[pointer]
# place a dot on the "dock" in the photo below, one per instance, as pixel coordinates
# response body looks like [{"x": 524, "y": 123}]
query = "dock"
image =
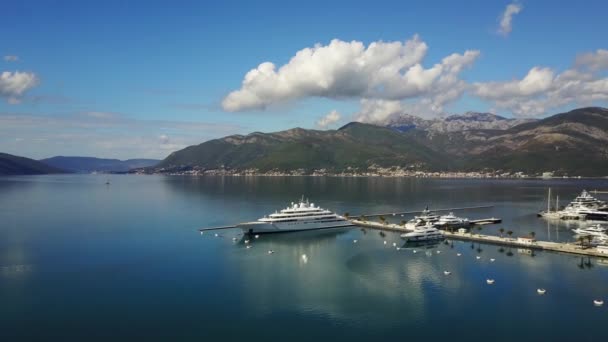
[{"x": 528, "y": 243}]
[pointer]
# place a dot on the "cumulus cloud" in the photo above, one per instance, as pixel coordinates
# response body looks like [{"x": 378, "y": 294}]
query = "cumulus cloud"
[
  {"x": 15, "y": 84},
  {"x": 505, "y": 25},
  {"x": 542, "y": 89},
  {"x": 329, "y": 119},
  {"x": 382, "y": 70},
  {"x": 11, "y": 58},
  {"x": 597, "y": 60}
]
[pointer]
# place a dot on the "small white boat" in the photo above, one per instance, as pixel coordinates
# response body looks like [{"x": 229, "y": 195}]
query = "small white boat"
[
  {"x": 270, "y": 251},
  {"x": 478, "y": 257},
  {"x": 354, "y": 241},
  {"x": 490, "y": 281},
  {"x": 394, "y": 244},
  {"x": 438, "y": 252},
  {"x": 458, "y": 254},
  {"x": 246, "y": 241},
  {"x": 541, "y": 291},
  {"x": 398, "y": 248},
  {"x": 217, "y": 235},
  {"x": 248, "y": 246},
  {"x": 598, "y": 302},
  {"x": 257, "y": 236},
  {"x": 492, "y": 260},
  {"x": 415, "y": 251},
  {"x": 447, "y": 272},
  {"x": 304, "y": 258}
]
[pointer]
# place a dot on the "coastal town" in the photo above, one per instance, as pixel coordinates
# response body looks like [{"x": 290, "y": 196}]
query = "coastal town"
[{"x": 372, "y": 171}]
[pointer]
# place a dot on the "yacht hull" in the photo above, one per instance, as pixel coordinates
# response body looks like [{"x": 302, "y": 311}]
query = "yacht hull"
[{"x": 277, "y": 227}]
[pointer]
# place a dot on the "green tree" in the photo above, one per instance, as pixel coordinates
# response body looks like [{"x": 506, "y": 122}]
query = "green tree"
[
  {"x": 533, "y": 234},
  {"x": 502, "y": 231},
  {"x": 510, "y": 232}
]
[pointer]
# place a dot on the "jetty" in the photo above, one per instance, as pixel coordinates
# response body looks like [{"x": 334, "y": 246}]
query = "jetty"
[{"x": 520, "y": 242}]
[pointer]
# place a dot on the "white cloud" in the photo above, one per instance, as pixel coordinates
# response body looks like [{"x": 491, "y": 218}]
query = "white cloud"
[
  {"x": 382, "y": 70},
  {"x": 164, "y": 139},
  {"x": 597, "y": 60},
  {"x": 329, "y": 119},
  {"x": 505, "y": 25},
  {"x": 542, "y": 90},
  {"x": 377, "y": 110},
  {"x": 15, "y": 84},
  {"x": 11, "y": 58}
]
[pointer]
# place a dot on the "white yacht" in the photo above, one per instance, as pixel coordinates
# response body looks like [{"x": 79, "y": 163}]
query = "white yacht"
[
  {"x": 424, "y": 233},
  {"x": 583, "y": 207},
  {"x": 450, "y": 220},
  {"x": 586, "y": 201},
  {"x": 595, "y": 230},
  {"x": 297, "y": 217},
  {"x": 420, "y": 221}
]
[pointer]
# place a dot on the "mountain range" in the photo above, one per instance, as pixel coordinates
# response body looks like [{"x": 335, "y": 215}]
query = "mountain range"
[
  {"x": 15, "y": 165},
  {"x": 573, "y": 143}
]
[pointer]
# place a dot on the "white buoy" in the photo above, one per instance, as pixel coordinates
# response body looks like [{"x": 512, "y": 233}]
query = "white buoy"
[
  {"x": 270, "y": 251},
  {"x": 447, "y": 272},
  {"x": 458, "y": 254},
  {"x": 492, "y": 260},
  {"x": 257, "y": 236},
  {"x": 598, "y": 302},
  {"x": 490, "y": 281},
  {"x": 355, "y": 241},
  {"x": 478, "y": 257},
  {"x": 541, "y": 291}
]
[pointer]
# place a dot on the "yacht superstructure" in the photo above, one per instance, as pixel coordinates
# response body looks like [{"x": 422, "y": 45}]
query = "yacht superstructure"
[
  {"x": 451, "y": 221},
  {"x": 426, "y": 216},
  {"x": 297, "y": 217}
]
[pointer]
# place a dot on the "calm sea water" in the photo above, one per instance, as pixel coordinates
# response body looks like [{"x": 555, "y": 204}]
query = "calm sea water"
[{"x": 80, "y": 260}]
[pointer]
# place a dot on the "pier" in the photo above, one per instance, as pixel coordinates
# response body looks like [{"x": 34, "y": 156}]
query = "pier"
[{"x": 529, "y": 243}]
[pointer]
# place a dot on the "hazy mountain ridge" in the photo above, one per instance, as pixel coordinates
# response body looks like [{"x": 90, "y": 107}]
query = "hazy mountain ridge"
[
  {"x": 453, "y": 123},
  {"x": 92, "y": 164},
  {"x": 15, "y": 165}
]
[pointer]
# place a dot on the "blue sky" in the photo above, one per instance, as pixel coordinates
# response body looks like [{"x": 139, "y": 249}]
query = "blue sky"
[{"x": 133, "y": 79}]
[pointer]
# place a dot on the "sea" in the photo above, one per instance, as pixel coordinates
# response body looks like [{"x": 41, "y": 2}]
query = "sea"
[{"x": 82, "y": 260}]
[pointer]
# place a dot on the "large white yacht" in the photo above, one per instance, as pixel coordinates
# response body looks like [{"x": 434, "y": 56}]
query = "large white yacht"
[
  {"x": 424, "y": 233},
  {"x": 583, "y": 207},
  {"x": 586, "y": 201},
  {"x": 297, "y": 217},
  {"x": 451, "y": 221},
  {"x": 426, "y": 216}
]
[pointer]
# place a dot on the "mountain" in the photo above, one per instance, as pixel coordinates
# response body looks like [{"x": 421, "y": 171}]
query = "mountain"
[
  {"x": 355, "y": 145},
  {"x": 15, "y": 165},
  {"x": 90, "y": 164},
  {"x": 453, "y": 123},
  {"x": 572, "y": 143}
]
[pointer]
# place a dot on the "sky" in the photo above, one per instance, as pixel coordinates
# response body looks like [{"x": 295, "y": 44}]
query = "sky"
[{"x": 141, "y": 79}]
